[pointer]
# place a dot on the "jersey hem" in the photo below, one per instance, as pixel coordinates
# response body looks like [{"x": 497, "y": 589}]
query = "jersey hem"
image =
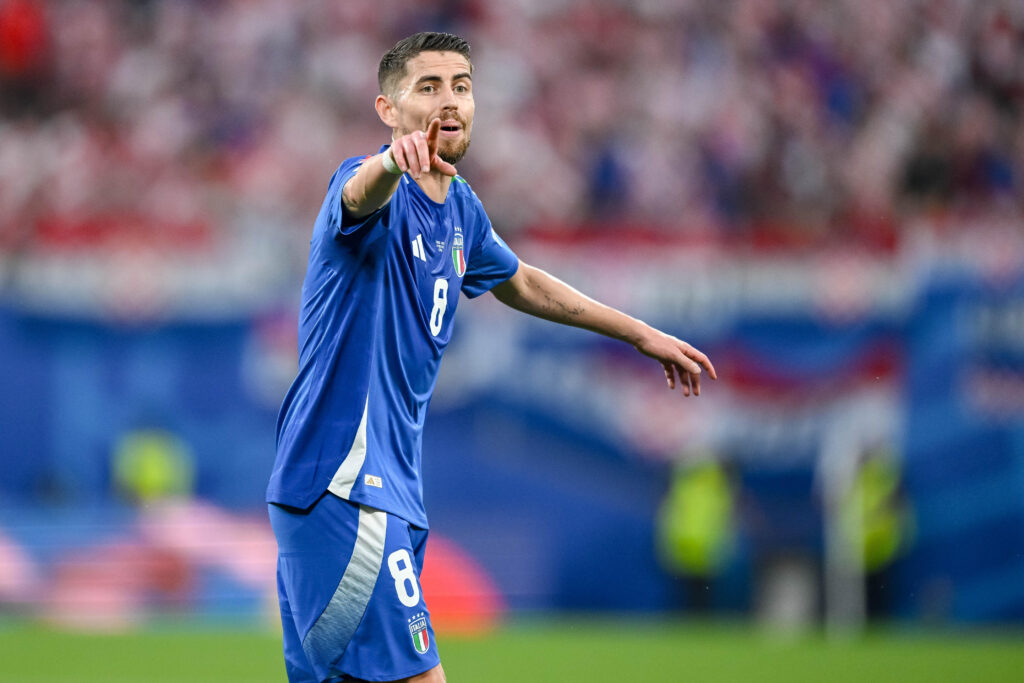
[{"x": 303, "y": 503}]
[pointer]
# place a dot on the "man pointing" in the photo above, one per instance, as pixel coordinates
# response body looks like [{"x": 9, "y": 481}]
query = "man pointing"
[{"x": 399, "y": 237}]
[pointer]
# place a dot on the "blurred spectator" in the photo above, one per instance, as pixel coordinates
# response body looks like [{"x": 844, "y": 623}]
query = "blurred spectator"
[
  {"x": 184, "y": 125},
  {"x": 24, "y": 56}
]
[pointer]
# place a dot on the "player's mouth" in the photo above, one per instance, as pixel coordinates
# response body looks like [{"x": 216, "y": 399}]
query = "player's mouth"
[{"x": 450, "y": 129}]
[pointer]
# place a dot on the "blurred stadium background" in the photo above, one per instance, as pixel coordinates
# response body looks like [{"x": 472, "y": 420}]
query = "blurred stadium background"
[{"x": 827, "y": 197}]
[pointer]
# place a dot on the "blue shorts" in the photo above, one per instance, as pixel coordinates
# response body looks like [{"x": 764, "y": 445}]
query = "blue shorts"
[{"x": 348, "y": 584}]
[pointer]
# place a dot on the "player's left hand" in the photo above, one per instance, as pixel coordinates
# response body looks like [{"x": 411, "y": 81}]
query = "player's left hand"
[{"x": 677, "y": 358}]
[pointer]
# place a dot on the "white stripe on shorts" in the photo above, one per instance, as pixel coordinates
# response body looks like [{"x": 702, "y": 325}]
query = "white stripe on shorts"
[{"x": 334, "y": 628}]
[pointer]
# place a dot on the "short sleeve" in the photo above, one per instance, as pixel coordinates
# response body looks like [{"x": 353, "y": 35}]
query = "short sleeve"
[
  {"x": 491, "y": 262},
  {"x": 334, "y": 210}
]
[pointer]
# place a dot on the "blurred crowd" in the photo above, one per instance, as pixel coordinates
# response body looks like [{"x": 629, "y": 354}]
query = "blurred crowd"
[{"x": 186, "y": 123}]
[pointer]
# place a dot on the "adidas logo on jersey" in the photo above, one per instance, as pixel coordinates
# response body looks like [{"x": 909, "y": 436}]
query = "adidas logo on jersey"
[
  {"x": 417, "y": 248},
  {"x": 371, "y": 480}
]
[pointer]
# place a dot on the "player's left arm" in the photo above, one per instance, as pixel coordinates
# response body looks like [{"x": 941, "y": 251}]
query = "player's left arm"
[{"x": 538, "y": 293}]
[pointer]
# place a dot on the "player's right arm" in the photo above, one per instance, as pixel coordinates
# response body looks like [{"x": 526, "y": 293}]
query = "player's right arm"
[{"x": 372, "y": 185}]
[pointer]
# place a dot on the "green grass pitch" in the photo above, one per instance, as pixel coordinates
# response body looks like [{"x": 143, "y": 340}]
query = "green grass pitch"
[{"x": 556, "y": 650}]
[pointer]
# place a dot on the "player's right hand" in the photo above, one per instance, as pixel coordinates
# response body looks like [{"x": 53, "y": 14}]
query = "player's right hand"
[{"x": 416, "y": 153}]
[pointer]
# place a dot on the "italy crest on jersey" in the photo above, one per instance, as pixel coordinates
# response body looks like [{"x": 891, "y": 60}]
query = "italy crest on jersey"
[
  {"x": 458, "y": 255},
  {"x": 420, "y": 637}
]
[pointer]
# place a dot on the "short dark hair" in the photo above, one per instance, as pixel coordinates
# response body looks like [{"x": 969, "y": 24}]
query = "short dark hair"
[{"x": 392, "y": 64}]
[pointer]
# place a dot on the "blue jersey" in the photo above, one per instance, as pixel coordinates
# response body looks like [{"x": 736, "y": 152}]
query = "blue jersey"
[{"x": 377, "y": 308}]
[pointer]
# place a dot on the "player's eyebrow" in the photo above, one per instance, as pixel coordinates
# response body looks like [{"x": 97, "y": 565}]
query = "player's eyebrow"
[{"x": 438, "y": 79}]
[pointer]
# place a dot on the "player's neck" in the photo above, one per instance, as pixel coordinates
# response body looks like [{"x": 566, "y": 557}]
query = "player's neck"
[{"x": 435, "y": 185}]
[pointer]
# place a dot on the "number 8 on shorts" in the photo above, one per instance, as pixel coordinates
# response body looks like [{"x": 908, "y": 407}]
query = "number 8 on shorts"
[{"x": 402, "y": 572}]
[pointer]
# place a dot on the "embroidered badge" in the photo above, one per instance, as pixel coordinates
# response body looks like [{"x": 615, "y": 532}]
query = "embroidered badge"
[
  {"x": 458, "y": 256},
  {"x": 418, "y": 630}
]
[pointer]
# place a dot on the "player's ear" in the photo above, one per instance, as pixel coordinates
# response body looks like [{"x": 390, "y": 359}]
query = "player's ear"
[{"x": 386, "y": 111}]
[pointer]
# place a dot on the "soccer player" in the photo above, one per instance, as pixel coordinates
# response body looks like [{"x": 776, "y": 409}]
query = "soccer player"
[{"x": 399, "y": 236}]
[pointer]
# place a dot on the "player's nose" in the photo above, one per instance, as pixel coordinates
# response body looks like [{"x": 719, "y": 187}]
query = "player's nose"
[{"x": 448, "y": 100}]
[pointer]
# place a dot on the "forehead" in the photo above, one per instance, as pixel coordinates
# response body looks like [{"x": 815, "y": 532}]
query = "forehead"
[{"x": 431, "y": 63}]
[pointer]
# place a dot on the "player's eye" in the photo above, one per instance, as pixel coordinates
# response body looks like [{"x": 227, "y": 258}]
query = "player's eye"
[
  {"x": 462, "y": 89},
  {"x": 427, "y": 89}
]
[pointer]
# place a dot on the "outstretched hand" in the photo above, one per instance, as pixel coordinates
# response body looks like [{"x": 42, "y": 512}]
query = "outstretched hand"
[
  {"x": 416, "y": 152},
  {"x": 534, "y": 291},
  {"x": 677, "y": 358}
]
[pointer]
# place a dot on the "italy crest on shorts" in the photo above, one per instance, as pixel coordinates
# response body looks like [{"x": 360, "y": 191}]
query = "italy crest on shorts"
[
  {"x": 458, "y": 255},
  {"x": 418, "y": 631}
]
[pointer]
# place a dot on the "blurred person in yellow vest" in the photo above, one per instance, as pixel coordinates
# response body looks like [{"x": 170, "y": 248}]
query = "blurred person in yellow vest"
[
  {"x": 696, "y": 527},
  {"x": 151, "y": 465},
  {"x": 875, "y": 523}
]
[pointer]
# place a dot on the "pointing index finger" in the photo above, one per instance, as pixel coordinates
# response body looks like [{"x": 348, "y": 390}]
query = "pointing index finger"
[{"x": 433, "y": 130}]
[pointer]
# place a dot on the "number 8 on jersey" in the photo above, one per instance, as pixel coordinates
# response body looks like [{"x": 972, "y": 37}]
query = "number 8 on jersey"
[{"x": 440, "y": 304}]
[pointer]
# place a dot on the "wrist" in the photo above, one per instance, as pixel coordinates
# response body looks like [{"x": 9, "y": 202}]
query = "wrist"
[
  {"x": 635, "y": 331},
  {"x": 387, "y": 160}
]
